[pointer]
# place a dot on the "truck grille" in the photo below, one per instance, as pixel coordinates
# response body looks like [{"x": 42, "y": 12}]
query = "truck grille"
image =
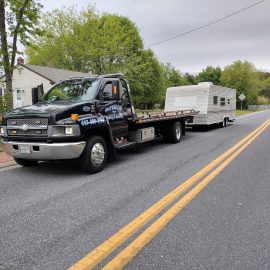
[
  {"x": 29, "y": 122},
  {"x": 28, "y": 127}
]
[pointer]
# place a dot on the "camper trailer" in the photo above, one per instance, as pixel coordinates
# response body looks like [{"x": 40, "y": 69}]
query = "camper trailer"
[{"x": 216, "y": 104}]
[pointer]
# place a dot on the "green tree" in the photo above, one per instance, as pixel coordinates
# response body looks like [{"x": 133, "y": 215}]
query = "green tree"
[
  {"x": 191, "y": 79},
  {"x": 173, "y": 76},
  {"x": 85, "y": 41},
  {"x": 147, "y": 80},
  {"x": 210, "y": 74},
  {"x": 243, "y": 77},
  {"x": 265, "y": 86},
  {"x": 18, "y": 19},
  {"x": 262, "y": 100},
  {"x": 90, "y": 42}
]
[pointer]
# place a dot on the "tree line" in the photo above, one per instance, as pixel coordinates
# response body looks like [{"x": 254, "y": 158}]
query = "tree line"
[{"x": 87, "y": 41}]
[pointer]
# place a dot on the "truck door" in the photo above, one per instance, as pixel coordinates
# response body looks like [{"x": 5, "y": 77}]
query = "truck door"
[{"x": 114, "y": 108}]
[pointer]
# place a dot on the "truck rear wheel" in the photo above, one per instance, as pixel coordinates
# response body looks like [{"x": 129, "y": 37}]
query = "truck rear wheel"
[
  {"x": 26, "y": 162},
  {"x": 94, "y": 156},
  {"x": 174, "y": 133}
]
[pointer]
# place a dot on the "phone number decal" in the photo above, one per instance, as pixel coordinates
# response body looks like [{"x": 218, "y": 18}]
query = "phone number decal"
[{"x": 92, "y": 122}]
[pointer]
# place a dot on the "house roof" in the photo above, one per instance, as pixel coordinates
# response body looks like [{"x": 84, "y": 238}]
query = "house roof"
[{"x": 54, "y": 74}]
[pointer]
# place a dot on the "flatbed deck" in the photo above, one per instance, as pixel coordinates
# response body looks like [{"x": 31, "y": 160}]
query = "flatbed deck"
[{"x": 160, "y": 116}]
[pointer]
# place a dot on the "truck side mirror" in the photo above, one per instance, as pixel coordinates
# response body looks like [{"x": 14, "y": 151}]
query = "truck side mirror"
[
  {"x": 37, "y": 93},
  {"x": 34, "y": 95},
  {"x": 115, "y": 90},
  {"x": 40, "y": 91}
]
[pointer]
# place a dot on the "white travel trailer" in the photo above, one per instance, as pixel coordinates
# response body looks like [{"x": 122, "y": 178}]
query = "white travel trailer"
[{"x": 216, "y": 104}]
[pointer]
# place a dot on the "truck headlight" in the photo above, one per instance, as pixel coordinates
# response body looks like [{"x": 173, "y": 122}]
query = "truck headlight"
[
  {"x": 69, "y": 130},
  {"x": 1, "y": 131}
]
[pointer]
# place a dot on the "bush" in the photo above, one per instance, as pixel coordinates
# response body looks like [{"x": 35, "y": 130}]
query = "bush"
[
  {"x": 3, "y": 105},
  {"x": 263, "y": 100}
]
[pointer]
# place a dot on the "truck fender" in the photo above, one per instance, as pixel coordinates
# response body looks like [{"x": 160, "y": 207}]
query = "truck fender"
[{"x": 105, "y": 132}]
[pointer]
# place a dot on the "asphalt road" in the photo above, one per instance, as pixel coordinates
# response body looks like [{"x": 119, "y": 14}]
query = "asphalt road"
[{"x": 54, "y": 214}]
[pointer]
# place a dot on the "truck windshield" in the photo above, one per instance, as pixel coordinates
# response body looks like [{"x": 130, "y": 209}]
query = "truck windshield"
[{"x": 81, "y": 89}]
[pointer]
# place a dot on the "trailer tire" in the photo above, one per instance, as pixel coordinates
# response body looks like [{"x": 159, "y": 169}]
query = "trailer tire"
[
  {"x": 26, "y": 162},
  {"x": 94, "y": 156},
  {"x": 224, "y": 123},
  {"x": 174, "y": 133}
]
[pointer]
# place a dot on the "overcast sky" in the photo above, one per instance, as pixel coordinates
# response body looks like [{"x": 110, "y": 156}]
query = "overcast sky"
[{"x": 245, "y": 36}]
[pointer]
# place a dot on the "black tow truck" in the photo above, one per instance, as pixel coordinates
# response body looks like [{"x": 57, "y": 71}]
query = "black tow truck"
[{"x": 84, "y": 118}]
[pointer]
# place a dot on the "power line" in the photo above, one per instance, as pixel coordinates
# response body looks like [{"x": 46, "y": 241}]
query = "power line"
[{"x": 208, "y": 24}]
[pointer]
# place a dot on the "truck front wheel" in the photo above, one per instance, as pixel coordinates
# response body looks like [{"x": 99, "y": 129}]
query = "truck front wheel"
[
  {"x": 26, "y": 162},
  {"x": 94, "y": 156}
]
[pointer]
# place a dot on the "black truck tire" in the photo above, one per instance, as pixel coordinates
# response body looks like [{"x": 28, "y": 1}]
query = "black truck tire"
[
  {"x": 94, "y": 156},
  {"x": 174, "y": 133},
  {"x": 26, "y": 162}
]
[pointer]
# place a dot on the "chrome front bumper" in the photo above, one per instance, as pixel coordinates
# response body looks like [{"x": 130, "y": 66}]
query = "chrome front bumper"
[{"x": 45, "y": 151}]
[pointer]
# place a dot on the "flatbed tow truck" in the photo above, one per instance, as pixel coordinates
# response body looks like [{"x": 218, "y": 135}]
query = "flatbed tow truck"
[{"x": 85, "y": 118}]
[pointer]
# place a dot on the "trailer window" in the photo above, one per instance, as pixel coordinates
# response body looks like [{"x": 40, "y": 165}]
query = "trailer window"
[
  {"x": 215, "y": 100},
  {"x": 222, "y": 101}
]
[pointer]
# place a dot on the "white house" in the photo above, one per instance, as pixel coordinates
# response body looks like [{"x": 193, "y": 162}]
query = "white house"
[{"x": 27, "y": 76}]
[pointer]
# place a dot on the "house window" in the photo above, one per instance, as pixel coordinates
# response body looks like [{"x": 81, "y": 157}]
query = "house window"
[
  {"x": 222, "y": 101},
  {"x": 19, "y": 95},
  {"x": 229, "y": 101},
  {"x": 20, "y": 69},
  {"x": 215, "y": 100}
]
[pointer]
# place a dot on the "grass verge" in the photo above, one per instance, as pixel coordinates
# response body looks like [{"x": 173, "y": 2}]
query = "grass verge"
[{"x": 242, "y": 112}]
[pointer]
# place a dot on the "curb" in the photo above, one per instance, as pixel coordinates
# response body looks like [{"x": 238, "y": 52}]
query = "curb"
[{"x": 7, "y": 164}]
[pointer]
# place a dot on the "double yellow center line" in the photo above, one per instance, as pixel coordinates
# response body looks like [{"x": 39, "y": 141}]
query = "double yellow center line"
[{"x": 101, "y": 252}]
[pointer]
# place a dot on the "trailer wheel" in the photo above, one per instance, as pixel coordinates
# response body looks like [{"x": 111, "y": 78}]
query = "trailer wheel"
[
  {"x": 26, "y": 162},
  {"x": 224, "y": 123},
  {"x": 94, "y": 156},
  {"x": 174, "y": 133}
]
